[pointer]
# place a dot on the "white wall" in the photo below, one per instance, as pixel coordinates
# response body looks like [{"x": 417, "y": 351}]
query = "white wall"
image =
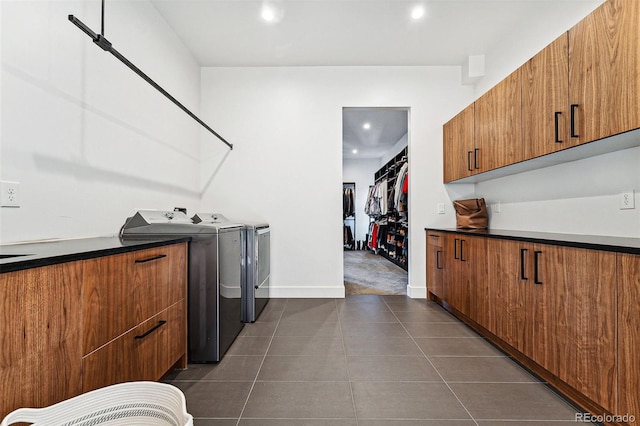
[
  {"x": 88, "y": 140},
  {"x": 286, "y": 166},
  {"x": 580, "y": 197},
  {"x": 395, "y": 149}
]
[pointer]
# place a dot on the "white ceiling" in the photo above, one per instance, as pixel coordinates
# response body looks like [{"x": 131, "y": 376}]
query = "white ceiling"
[
  {"x": 387, "y": 126},
  {"x": 354, "y": 33}
]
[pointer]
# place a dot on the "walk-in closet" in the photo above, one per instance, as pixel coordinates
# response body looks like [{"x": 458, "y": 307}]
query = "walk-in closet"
[{"x": 375, "y": 195}]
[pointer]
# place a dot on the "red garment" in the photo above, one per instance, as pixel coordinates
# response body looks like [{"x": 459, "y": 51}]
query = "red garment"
[
  {"x": 374, "y": 236},
  {"x": 405, "y": 184}
]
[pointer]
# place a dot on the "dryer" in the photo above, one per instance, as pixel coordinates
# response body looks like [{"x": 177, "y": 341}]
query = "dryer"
[{"x": 257, "y": 263}]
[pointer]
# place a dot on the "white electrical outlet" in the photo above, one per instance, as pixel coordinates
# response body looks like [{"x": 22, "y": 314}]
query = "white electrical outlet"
[
  {"x": 9, "y": 194},
  {"x": 627, "y": 201},
  {"x": 440, "y": 208},
  {"x": 496, "y": 207}
]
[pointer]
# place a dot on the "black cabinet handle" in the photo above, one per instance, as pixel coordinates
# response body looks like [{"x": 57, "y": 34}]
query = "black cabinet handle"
[
  {"x": 455, "y": 248},
  {"x": 438, "y": 265},
  {"x": 152, "y": 329},
  {"x": 469, "y": 161},
  {"x": 557, "y": 121},
  {"x": 475, "y": 158},
  {"x": 523, "y": 276},
  {"x": 462, "y": 259},
  {"x": 151, "y": 259},
  {"x": 573, "y": 121},
  {"x": 536, "y": 267}
]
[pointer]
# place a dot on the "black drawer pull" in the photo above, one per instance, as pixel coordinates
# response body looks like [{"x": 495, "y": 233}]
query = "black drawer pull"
[
  {"x": 151, "y": 259},
  {"x": 455, "y": 248},
  {"x": 438, "y": 265},
  {"x": 462, "y": 259},
  {"x": 469, "y": 161},
  {"x": 557, "y": 120},
  {"x": 475, "y": 158},
  {"x": 523, "y": 252},
  {"x": 536, "y": 267},
  {"x": 152, "y": 329},
  {"x": 573, "y": 121}
]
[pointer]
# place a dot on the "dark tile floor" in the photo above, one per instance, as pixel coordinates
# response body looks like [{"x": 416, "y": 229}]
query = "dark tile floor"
[{"x": 365, "y": 361}]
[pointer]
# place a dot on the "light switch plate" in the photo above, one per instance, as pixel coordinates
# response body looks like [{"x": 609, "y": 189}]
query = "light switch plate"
[{"x": 440, "y": 208}]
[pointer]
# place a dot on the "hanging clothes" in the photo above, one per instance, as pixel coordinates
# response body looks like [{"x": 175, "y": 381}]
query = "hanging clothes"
[{"x": 347, "y": 203}]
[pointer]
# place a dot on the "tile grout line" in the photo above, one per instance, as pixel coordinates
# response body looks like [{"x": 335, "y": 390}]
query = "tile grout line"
[
  {"x": 264, "y": 357},
  {"x": 431, "y": 363},
  {"x": 346, "y": 362}
]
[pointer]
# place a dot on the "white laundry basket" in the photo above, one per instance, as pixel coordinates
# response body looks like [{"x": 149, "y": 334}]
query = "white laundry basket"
[{"x": 131, "y": 403}]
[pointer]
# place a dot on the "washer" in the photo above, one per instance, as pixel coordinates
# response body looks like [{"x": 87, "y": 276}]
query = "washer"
[
  {"x": 216, "y": 255},
  {"x": 257, "y": 264}
]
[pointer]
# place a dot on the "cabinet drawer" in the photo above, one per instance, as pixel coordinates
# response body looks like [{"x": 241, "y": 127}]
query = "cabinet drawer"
[
  {"x": 145, "y": 352},
  {"x": 124, "y": 290}
]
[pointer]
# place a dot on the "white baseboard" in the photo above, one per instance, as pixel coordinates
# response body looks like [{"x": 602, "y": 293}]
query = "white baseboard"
[
  {"x": 417, "y": 292},
  {"x": 307, "y": 292}
]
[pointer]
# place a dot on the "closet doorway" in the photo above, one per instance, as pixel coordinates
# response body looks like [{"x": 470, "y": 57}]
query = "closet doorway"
[{"x": 375, "y": 176}]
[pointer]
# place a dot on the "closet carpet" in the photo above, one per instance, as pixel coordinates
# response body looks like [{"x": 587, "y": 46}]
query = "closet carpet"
[{"x": 368, "y": 273}]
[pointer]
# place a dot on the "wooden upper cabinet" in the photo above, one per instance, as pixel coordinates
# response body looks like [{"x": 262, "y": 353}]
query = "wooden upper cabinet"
[
  {"x": 498, "y": 125},
  {"x": 459, "y": 145},
  {"x": 545, "y": 100},
  {"x": 604, "y": 71},
  {"x": 629, "y": 333}
]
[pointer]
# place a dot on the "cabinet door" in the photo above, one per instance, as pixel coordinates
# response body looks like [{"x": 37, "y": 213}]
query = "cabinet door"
[
  {"x": 545, "y": 100},
  {"x": 498, "y": 124},
  {"x": 459, "y": 146},
  {"x": 435, "y": 264},
  {"x": 474, "y": 252},
  {"x": 604, "y": 71},
  {"x": 464, "y": 277},
  {"x": 575, "y": 319},
  {"x": 457, "y": 280},
  {"x": 629, "y": 333},
  {"x": 40, "y": 336},
  {"x": 511, "y": 293}
]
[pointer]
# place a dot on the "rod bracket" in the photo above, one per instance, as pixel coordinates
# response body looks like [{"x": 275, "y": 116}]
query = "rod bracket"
[{"x": 104, "y": 44}]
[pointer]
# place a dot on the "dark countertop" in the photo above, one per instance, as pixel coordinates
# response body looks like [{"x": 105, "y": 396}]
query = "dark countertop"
[
  {"x": 59, "y": 251},
  {"x": 593, "y": 242}
]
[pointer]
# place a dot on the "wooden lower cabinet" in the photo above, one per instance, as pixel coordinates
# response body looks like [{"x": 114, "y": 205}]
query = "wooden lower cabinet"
[
  {"x": 575, "y": 319},
  {"x": 146, "y": 352},
  {"x": 629, "y": 334},
  {"x": 556, "y": 309},
  {"x": 69, "y": 328},
  {"x": 435, "y": 265},
  {"x": 465, "y": 275},
  {"x": 40, "y": 336}
]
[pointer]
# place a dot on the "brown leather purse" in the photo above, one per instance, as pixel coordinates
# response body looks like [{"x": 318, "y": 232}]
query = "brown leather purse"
[{"x": 471, "y": 214}]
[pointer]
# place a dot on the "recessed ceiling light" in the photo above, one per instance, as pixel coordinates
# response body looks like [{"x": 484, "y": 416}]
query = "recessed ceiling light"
[
  {"x": 355, "y": 151},
  {"x": 268, "y": 14},
  {"x": 417, "y": 12},
  {"x": 366, "y": 126},
  {"x": 272, "y": 11}
]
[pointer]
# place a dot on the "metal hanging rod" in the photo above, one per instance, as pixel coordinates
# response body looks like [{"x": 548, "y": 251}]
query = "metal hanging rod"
[{"x": 105, "y": 45}]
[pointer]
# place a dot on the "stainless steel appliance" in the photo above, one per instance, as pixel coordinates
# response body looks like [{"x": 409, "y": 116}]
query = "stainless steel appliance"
[
  {"x": 215, "y": 277},
  {"x": 257, "y": 264}
]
